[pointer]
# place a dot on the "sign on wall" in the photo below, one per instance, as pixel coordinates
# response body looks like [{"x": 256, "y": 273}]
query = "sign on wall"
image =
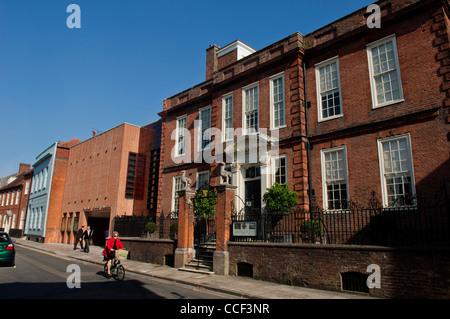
[{"x": 244, "y": 228}]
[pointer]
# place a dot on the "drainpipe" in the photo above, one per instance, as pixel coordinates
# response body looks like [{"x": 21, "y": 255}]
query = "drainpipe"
[{"x": 308, "y": 155}]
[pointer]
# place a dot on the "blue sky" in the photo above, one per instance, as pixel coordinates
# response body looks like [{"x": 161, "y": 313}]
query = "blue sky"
[{"x": 58, "y": 83}]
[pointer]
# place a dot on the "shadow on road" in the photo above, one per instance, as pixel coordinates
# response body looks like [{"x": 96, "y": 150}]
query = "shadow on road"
[{"x": 111, "y": 289}]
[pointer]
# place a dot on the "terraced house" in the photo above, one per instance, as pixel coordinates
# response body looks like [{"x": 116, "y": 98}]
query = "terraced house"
[
  {"x": 14, "y": 194},
  {"x": 346, "y": 115}
]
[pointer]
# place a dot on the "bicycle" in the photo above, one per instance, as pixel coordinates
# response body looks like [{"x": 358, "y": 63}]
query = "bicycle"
[{"x": 117, "y": 269}]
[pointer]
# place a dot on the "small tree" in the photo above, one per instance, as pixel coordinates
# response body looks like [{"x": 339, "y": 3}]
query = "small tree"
[
  {"x": 150, "y": 227},
  {"x": 204, "y": 202},
  {"x": 279, "y": 199}
]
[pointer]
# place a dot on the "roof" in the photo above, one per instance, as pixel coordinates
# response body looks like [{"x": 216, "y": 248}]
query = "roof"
[{"x": 18, "y": 181}]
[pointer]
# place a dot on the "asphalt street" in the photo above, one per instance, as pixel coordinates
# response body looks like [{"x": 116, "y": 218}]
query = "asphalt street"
[{"x": 41, "y": 275}]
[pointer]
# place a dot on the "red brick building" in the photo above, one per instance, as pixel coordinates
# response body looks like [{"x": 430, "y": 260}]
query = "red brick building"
[
  {"x": 14, "y": 201},
  {"x": 239, "y": 93},
  {"x": 366, "y": 106},
  {"x": 342, "y": 113},
  {"x": 378, "y": 116},
  {"x": 108, "y": 176}
]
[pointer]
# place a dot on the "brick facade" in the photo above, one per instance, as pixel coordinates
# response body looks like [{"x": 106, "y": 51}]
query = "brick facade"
[
  {"x": 421, "y": 37},
  {"x": 379, "y": 115},
  {"x": 96, "y": 182},
  {"x": 14, "y": 201},
  {"x": 283, "y": 57}
]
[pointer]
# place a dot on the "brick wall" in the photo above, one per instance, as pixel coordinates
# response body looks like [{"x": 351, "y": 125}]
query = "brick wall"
[
  {"x": 96, "y": 175},
  {"x": 155, "y": 251},
  {"x": 53, "y": 227},
  {"x": 422, "y": 42},
  {"x": 405, "y": 273}
]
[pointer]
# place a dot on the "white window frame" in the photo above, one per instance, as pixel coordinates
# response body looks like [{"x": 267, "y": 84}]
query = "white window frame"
[
  {"x": 36, "y": 187},
  {"x": 380, "y": 142},
  {"x": 27, "y": 187},
  {"x": 177, "y": 141},
  {"x": 244, "y": 112},
  {"x": 22, "y": 217},
  {"x": 200, "y": 133},
  {"x": 371, "y": 46},
  {"x": 175, "y": 204},
  {"x": 41, "y": 179},
  {"x": 323, "y": 153},
  {"x": 17, "y": 197},
  {"x": 33, "y": 180},
  {"x": 45, "y": 177},
  {"x": 225, "y": 136},
  {"x": 272, "y": 79},
  {"x": 275, "y": 170},
  {"x": 319, "y": 66},
  {"x": 13, "y": 194},
  {"x": 198, "y": 178}
]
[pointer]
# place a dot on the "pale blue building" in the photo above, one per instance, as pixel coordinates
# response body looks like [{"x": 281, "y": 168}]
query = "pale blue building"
[{"x": 35, "y": 227}]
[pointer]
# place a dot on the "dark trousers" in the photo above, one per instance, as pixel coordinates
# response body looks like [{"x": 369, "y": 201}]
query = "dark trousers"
[
  {"x": 86, "y": 245},
  {"x": 78, "y": 240}
]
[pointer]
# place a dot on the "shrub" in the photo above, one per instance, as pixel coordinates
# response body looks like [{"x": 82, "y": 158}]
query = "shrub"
[
  {"x": 311, "y": 228},
  {"x": 279, "y": 199},
  {"x": 174, "y": 228},
  {"x": 150, "y": 227}
]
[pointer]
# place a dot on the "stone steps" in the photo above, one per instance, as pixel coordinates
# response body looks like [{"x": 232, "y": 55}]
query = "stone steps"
[{"x": 204, "y": 259}]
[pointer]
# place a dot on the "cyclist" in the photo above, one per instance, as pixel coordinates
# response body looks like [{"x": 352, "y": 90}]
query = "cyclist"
[{"x": 109, "y": 252}]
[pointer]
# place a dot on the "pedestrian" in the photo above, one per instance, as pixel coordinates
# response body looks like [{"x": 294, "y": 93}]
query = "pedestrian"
[
  {"x": 79, "y": 238},
  {"x": 87, "y": 235}
]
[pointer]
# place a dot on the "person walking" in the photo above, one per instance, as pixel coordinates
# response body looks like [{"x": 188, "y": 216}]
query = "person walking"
[
  {"x": 87, "y": 235},
  {"x": 79, "y": 238}
]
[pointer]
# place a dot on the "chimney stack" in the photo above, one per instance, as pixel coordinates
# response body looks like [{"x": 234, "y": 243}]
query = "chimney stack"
[
  {"x": 24, "y": 167},
  {"x": 211, "y": 61}
]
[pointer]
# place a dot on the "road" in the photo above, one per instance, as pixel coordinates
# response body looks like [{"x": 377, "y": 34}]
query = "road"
[{"x": 41, "y": 275}]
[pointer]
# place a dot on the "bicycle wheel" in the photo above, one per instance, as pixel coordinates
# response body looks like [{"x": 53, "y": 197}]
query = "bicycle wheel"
[{"x": 120, "y": 272}]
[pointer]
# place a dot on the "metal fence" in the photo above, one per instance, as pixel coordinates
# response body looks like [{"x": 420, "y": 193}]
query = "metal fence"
[
  {"x": 131, "y": 226},
  {"x": 394, "y": 226},
  {"x": 168, "y": 226}
]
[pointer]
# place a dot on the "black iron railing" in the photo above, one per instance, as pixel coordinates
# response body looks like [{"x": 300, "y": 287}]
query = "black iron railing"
[{"x": 393, "y": 226}]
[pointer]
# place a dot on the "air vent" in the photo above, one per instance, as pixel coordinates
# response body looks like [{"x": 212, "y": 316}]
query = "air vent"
[{"x": 354, "y": 281}]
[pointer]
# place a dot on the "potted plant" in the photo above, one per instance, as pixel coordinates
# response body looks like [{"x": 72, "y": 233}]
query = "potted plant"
[
  {"x": 311, "y": 230},
  {"x": 174, "y": 230},
  {"x": 150, "y": 229},
  {"x": 279, "y": 200}
]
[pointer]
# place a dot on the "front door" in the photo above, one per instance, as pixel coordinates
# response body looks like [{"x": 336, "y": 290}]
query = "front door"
[{"x": 253, "y": 194}]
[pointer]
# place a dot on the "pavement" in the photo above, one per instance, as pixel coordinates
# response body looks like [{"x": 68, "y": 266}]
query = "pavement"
[{"x": 238, "y": 286}]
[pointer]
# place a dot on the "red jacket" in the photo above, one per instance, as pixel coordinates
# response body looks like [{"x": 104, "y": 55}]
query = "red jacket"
[{"x": 110, "y": 245}]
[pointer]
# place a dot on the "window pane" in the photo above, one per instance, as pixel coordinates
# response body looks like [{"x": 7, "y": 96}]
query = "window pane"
[
  {"x": 385, "y": 72},
  {"x": 329, "y": 90},
  {"x": 397, "y": 170},
  {"x": 335, "y": 179}
]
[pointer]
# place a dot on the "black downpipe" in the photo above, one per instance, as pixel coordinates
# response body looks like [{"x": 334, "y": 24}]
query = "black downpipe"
[{"x": 308, "y": 155}]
